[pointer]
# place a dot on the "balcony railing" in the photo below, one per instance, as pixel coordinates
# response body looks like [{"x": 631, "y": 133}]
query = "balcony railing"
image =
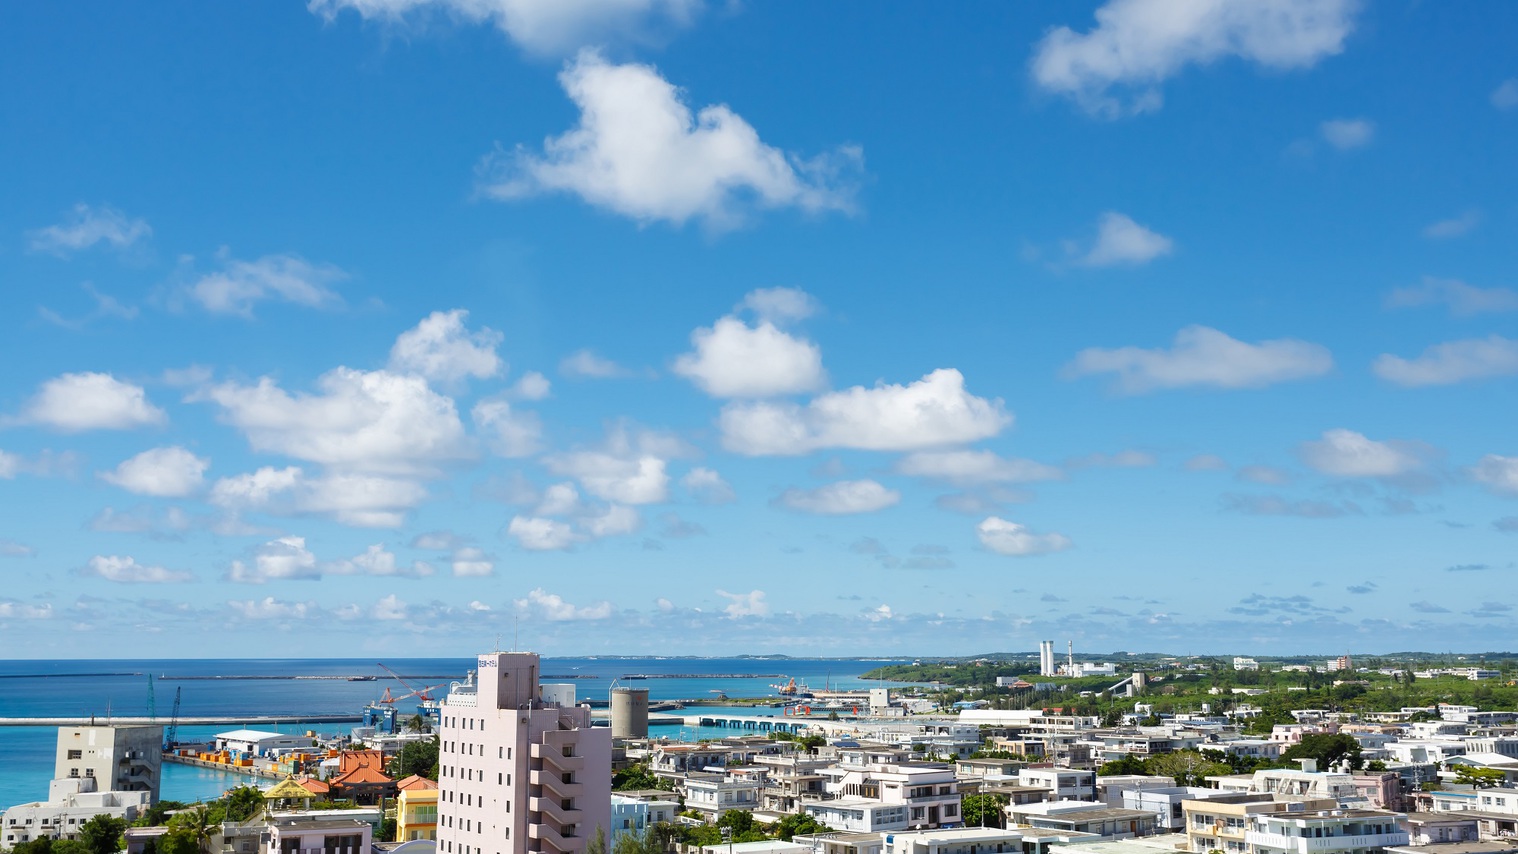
[{"x": 553, "y": 755}]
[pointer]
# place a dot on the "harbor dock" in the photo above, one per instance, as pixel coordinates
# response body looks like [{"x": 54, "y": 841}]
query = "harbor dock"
[{"x": 203, "y": 720}]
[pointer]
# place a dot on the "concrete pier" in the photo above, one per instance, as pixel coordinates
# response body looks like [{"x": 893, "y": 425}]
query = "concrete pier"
[{"x": 247, "y": 721}]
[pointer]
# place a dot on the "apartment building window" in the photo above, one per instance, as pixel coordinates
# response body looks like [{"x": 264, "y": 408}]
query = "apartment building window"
[
  {"x": 76, "y": 754},
  {"x": 89, "y": 772}
]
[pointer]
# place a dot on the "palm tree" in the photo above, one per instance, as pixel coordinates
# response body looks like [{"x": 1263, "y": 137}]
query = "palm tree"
[{"x": 417, "y": 723}]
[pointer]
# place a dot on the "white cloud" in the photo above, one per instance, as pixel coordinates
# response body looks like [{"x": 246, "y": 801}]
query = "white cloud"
[
  {"x": 105, "y": 306},
  {"x": 1206, "y": 462},
  {"x": 171, "y": 472},
  {"x": 541, "y": 26},
  {"x": 270, "y": 608},
  {"x": 780, "y": 305},
  {"x": 1010, "y": 538},
  {"x": 1205, "y": 357},
  {"x": 282, "y": 559},
  {"x": 88, "y": 226},
  {"x": 585, "y": 364},
  {"x": 931, "y": 412},
  {"x": 1129, "y": 459},
  {"x": 361, "y": 500},
  {"x": 638, "y": 151},
  {"x": 531, "y": 386},
  {"x": 389, "y": 608},
  {"x": 1463, "y": 300},
  {"x": 370, "y": 421},
  {"x": 1452, "y": 362},
  {"x": 1345, "y": 134},
  {"x": 10, "y": 464},
  {"x": 377, "y": 561},
  {"x": 1138, "y": 44},
  {"x": 1345, "y": 453},
  {"x": 750, "y": 604},
  {"x": 470, "y": 562},
  {"x": 1460, "y": 225},
  {"x": 1120, "y": 240},
  {"x": 559, "y": 499},
  {"x": 10, "y": 609},
  {"x": 537, "y": 533},
  {"x": 615, "y": 521},
  {"x": 126, "y": 570},
  {"x": 628, "y": 469},
  {"x": 841, "y": 498},
  {"x": 553, "y": 607},
  {"x": 1498, "y": 473},
  {"x": 74, "y": 403},
  {"x": 239, "y": 285},
  {"x": 11, "y": 548},
  {"x": 1505, "y": 96},
  {"x": 478, "y": 606},
  {"x": 441, "y": 349},
  {"x": 1267, "y": 475},
  {"x": 509, "y": 432},
  {"x": 969, "y": 468},
  {"x": 733, "y": 359},
  {"x": 708, "y": 486},
  {"x": 877, "y": 615}
]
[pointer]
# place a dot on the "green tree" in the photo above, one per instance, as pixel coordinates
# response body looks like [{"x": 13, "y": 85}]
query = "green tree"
[
  {"x": 1480, "y": 778},
  {"x": 387, "y": 830},
  {"x": 597, "y": 844},
  {"x": 40, "y": 845},
  {"x": 417, "y": 757},
  {"x": 635, "y": 776},
  {"x": 1375, "y": 765},
  {"x": 797, "y": 824},
  {"x": 1327, "y": 750},
  {"x": 70, "y": 846},
  {"x": 102, "y": 834},
  {"x": 417, "y": 723},
  {"x": 1188, "y": 767},
  {"x": 1129, "y": 764},
  {"x": 983, "y": 810},
  {"x": 178, "y": 842},
  {"x": 199, "y": 824}
]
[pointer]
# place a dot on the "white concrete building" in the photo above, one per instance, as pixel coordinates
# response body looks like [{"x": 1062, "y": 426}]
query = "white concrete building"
[
  {"x": 70, "y": 803},
  {"x": 713, "y": 794},
  {"x": 256, "y": 742},
  {"x": 1327, "y": 832},
  {"x": 520, "y": 768},
  {"x": 119, "y": 758},
  {"x": 317, "y": 832},
  {"x": 1067, "y": 784},
  {"x": 927, "y": 792},
  {"x": 959, "y": 840},
  {"x": 1241, "y": 663},
  {"x": 635, "y": 815}
]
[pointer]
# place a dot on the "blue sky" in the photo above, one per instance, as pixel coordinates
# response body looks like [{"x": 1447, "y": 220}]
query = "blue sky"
[{"x": 671, "y": 326}]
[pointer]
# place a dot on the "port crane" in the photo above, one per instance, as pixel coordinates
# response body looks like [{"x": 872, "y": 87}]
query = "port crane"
[
  {"x": 423, "y": 694},
  {"x": 172, "y": 732}
]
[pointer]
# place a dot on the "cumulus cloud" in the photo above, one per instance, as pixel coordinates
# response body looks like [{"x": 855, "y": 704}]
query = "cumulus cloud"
[
  {"x": 538, "y": 533},
  {"x": 377, "y": 561},
  {"x": 1456, "y": 227},
  {"x": 842, "y": 498},
  {"x": 1121, "y": 241},
  {"x": 443, "y": 350},
  {"x": 126, "y": 570},
  {"x": 1204, "y": 357},
  {"x": 1116, "y": 68},
  {"x": 638, "y": 151},
  {"x": 1463, "y": 300},
  {"x": 1010, "y": 538},
  {"x": 270, "y": 608},
  {"x": 750, "y": 604},
  {"x": 1267, "y": 475},
  {"x": 87, "y": 226},
  {"x": 1129, "y": 459},
  {"x": 615, "y": 521},
  {"x": 733, "y": 359},
  {"x": 780, "y": 305},
  {"x": 361, "y": 500},
  {"x": 240, "y": 285},
  {"x": 509, "y": 431},
  {"x": 971, "y": 468},
  {"x": 540, "y": 26},
  {"x": 551, "y": 606},
  {"x": 171, "y": 472},
  {"x": 707, "y": 486},
  {"x": 628, "y": 469},
  {"x": 1345, "y": 453},
  {"x": 1345, "y": 134},
  {"x": 531, "y": 386},
  {"x": 370, "y": 421},
  {"x": 74, "y": 403},
  {"x": 282, "y": 559},
  {"x": 1206, "y": 462},
  {"x": 11, "y": 548},
  {"x": 10, "y": 609},
  {"x": 1452, "y": 362},
  {"x": 932, "y": 412},
  {"x": 585, "y": 364},
  {"x": 390, "y": 608},
  {"x": 1505, "y": 96},
  {"x": 1498, "y": 473},
  {"x": 471, "y": 562}
]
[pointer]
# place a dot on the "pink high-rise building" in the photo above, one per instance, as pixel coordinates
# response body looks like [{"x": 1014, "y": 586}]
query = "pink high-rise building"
[{"x": 519, "y": 767}]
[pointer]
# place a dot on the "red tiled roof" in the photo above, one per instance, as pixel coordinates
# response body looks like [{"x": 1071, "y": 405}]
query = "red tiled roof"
[{"x": 415, "y": 782}]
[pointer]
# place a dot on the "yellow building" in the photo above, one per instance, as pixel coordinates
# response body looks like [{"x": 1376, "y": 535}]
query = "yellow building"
[
  {"x": 1218, "y": 825},
  {"x": 416, "y": 809}
]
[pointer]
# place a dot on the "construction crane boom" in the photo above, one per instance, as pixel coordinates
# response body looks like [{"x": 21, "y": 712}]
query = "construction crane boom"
[
  {"x": 423, "y": 693},
  {"x": 172, "y": 732}
]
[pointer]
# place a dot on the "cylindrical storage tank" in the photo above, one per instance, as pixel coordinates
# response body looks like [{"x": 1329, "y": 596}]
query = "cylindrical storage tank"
[{"x": 629, "y": 713}]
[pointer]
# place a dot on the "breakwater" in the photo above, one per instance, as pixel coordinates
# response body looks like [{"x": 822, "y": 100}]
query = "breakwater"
[{"x": 196, "y": 720}]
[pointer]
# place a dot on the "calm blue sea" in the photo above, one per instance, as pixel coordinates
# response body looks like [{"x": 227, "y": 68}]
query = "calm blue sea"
[{"x": 122, "y": 687}]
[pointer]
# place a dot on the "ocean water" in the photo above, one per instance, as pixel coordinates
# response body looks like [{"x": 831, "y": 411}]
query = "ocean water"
[{"x": 107, "y": 688}]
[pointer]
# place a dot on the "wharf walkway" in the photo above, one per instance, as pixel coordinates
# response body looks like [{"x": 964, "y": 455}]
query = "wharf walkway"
[
  {"x": 792, "y": 725},
  {"x": 204, "y": 720}
]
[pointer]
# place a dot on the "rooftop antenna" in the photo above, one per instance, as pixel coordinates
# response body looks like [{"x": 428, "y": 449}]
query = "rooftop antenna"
[{"x": 516, "y": 624}]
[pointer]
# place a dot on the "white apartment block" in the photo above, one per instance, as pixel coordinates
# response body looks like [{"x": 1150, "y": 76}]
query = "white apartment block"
[
  {"x": 927, "y": 792},
  {"x": 712, "y": 794},
  {"x": 1067, "y": 784},
  {"x": 1241, "y": 663},
  {"x": 118, "y": 758},
  {"x": 520, "y": 768},
  {"x": 1326, "y": 832}
]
